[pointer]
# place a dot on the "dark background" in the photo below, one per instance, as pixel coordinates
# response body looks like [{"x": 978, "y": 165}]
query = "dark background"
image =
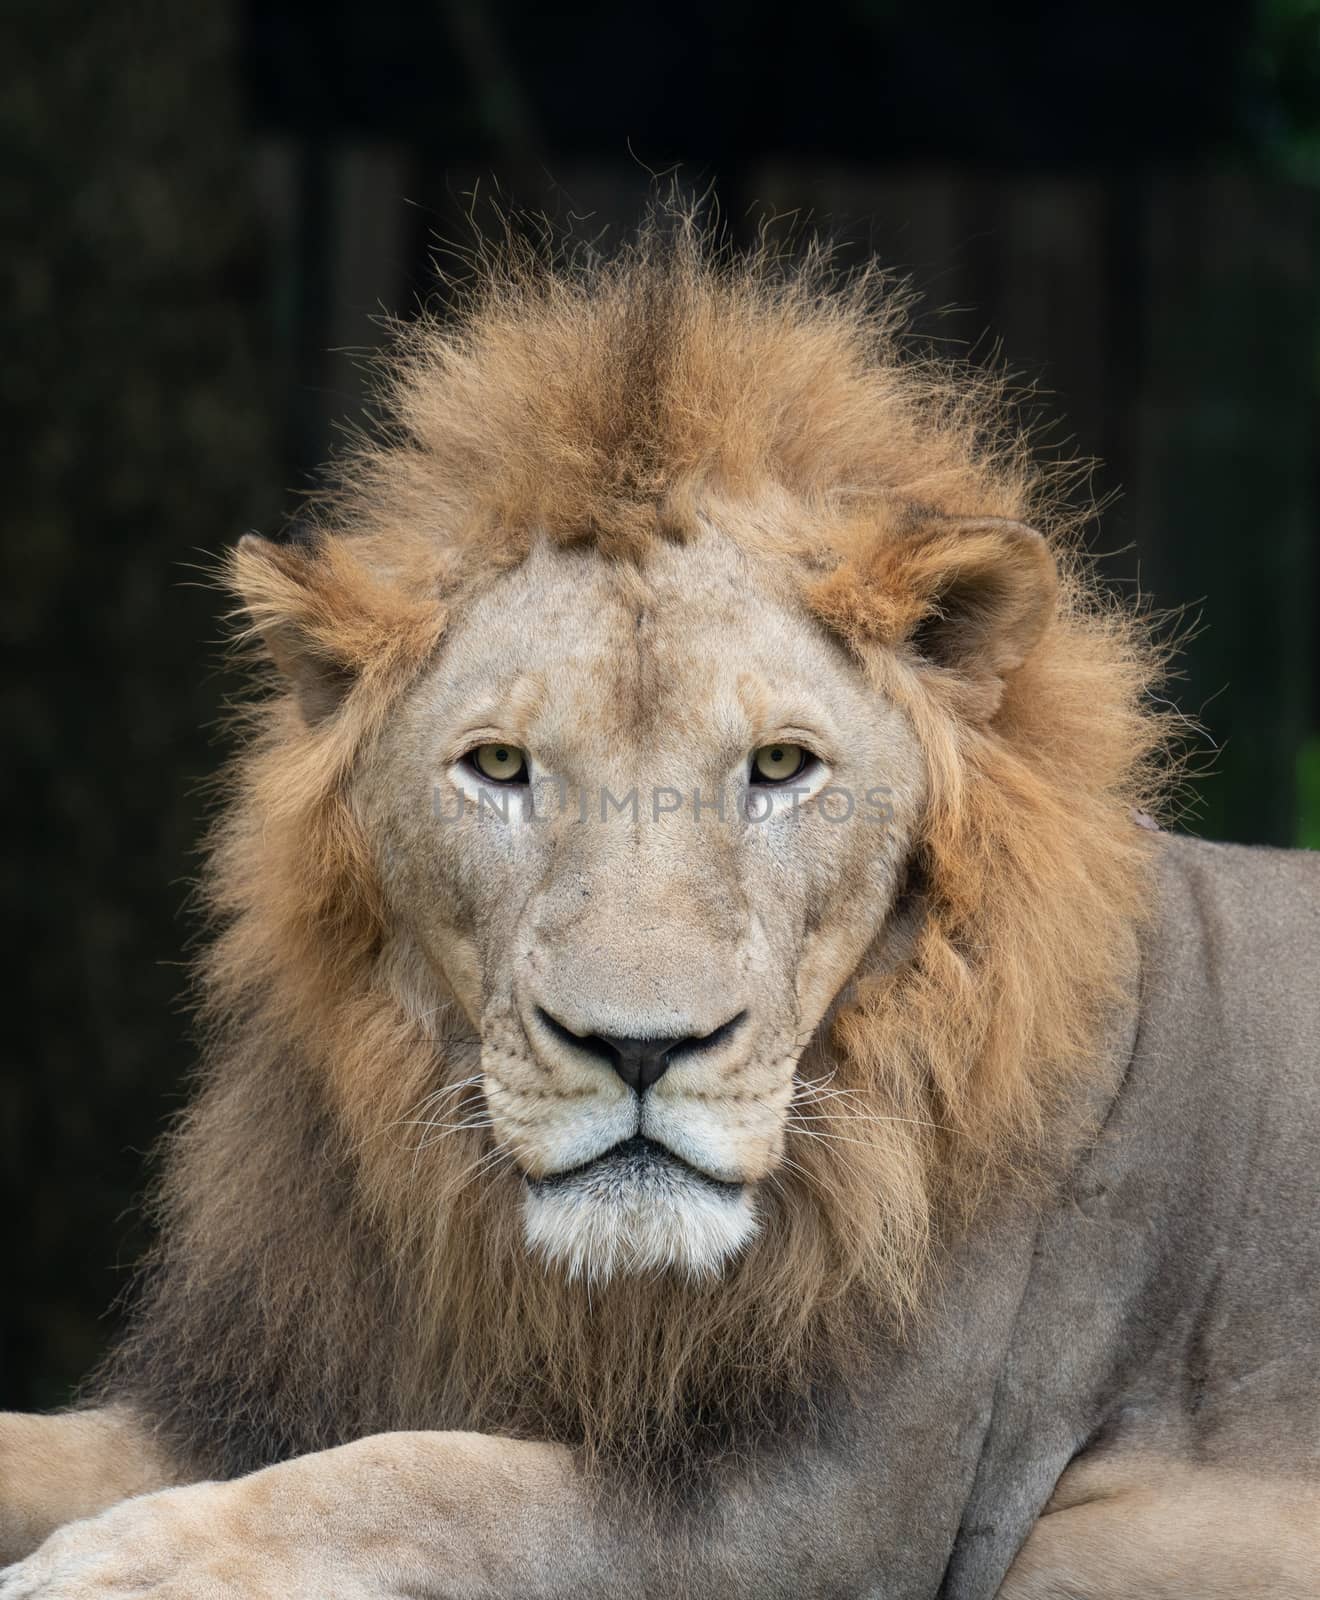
[{"x": 211, "y": 204}]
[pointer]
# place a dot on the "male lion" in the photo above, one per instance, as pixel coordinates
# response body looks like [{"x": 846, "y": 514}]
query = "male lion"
[{"x": 710, "y": 1090}]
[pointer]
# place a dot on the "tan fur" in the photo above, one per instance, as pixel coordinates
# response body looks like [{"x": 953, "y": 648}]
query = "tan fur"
[
  {"x": 60, "y": 1468},
  {"x": 380, "y": 1519},
  {"x": 1165, "y": 1529},
  {"x": 620, "y": 405}
]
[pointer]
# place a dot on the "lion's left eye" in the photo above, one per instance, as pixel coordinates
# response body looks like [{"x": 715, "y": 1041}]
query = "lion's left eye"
[
  {"x": 500, "y": 763},
  {"x": 778, "y": 763}
]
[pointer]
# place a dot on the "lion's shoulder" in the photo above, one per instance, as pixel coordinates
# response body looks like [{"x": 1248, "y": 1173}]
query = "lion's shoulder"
[
  {"x": 1229, "y": 1036},
  {"x": 1246, "y": 920}
]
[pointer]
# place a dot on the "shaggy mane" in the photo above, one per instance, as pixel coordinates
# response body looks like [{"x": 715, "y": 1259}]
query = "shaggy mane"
[{"x": 321, "y": 1274}]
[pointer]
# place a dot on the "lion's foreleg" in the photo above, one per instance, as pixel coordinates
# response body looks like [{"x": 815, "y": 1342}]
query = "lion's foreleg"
[
  {"x": 1168, "y": 1531},
  {"x": 55, "y": 1469},
  {"x": 430, "y": 1516}
]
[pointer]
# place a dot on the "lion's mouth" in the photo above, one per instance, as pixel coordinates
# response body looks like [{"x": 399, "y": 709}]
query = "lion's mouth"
[
  {"x": 637, "y": 1208},
  {"x": 636, "y": 1160}
]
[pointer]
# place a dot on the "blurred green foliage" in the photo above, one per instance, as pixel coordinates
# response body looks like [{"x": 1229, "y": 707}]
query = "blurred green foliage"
[{"x": 1282, "y": 104}]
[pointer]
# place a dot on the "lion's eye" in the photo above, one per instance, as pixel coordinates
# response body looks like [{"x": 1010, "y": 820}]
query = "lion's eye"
[
  {"x": 777, "y": 763},
  {"x": 500, "y": 763}
]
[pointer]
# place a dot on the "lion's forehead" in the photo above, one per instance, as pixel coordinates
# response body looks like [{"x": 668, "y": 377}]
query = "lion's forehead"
[{"x": 572, "y": 645}]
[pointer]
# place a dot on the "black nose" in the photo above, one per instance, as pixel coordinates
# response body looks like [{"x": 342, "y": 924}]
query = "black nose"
[
  {"x": 642, "y": 1062},
  {"x": 639, "y": 1062}
]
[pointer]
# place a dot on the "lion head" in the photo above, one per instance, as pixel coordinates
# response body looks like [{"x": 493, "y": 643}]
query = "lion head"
[
  {"x": 638, "y": 823},
  {"x": 686, "y": 864}
]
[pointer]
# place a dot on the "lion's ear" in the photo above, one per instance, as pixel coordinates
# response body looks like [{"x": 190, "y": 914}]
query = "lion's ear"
[
  {"x": 986, "y": 589},
  {"x": 971, "y": 594},
  {"x": 286, "y": 593}
]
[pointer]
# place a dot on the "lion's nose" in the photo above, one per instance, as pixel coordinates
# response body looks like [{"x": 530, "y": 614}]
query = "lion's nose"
[
  {"x": 642, "y": 1062},
  {"x": 639, "y": 1062}
]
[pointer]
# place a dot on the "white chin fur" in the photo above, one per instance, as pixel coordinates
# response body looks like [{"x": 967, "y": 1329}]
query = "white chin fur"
[{"x": 632, "y": 1218}]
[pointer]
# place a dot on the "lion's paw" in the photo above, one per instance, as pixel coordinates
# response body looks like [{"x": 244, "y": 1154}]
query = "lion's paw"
[{"x": 195, "y": 1543}]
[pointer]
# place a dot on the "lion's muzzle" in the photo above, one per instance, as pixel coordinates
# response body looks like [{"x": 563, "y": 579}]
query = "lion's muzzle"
[{"x": 641, "y": 1062}]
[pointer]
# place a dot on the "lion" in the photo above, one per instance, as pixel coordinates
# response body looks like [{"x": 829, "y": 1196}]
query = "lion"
[{"x": 713, "y": 1085}]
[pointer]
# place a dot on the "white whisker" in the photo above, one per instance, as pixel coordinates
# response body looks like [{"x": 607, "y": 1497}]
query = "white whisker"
[{"x": 796, "y": 1117}]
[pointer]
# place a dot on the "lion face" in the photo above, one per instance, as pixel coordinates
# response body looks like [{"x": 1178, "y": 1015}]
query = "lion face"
[{"x": 640, "y": 823}]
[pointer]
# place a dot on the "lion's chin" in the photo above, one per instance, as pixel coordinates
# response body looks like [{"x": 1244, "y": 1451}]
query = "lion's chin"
[{"x": 637, "y": 1209}]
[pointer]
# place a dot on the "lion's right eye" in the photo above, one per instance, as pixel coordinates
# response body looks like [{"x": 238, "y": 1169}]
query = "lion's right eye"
[
  {"x": 498, "y": 763},
  {"x": 778, "y": 763}
]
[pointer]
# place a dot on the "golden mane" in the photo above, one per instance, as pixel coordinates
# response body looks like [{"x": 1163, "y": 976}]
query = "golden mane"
[{"x": 319, "y": 1277}]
